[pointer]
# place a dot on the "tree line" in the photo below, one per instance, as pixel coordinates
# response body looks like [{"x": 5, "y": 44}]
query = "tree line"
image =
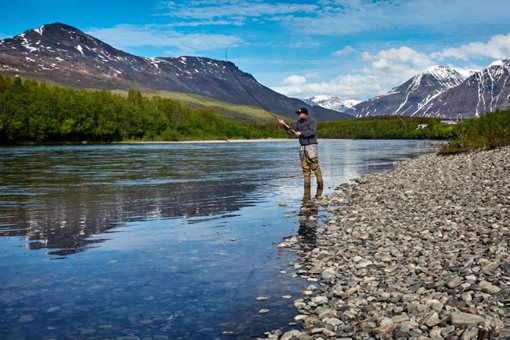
[
  {"x": 387, "y": 127},
  {"x": 32, "y": 111},
  {"x": 37, "y": 112}
]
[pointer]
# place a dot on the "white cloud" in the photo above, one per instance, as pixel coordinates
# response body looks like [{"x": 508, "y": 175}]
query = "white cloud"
[
  {"x": 346, "y": 51},
  {"x": 233, "y": 10},
  {"x": 340, "y": 17},
  {"x": 398, "y": 60},
  {"x": 345, "y": 87},
  {"x": 498, "y": 47},
  {"x": 294, "y": 80},
  {"x": 125, "y": 36}
]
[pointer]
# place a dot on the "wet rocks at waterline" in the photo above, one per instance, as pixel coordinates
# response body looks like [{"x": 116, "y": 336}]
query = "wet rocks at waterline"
[{"x": 420, "y": 252}]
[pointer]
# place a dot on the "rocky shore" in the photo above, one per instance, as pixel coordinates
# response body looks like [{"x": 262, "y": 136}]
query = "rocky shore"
[{"x": 418, "y": 252}]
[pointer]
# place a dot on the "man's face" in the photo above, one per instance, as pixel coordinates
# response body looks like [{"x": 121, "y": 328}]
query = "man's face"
[{"x": 302, "y": 115}]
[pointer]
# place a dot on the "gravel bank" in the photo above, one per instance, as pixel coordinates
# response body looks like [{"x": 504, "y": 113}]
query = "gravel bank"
[{"x": 420, "y": 252}]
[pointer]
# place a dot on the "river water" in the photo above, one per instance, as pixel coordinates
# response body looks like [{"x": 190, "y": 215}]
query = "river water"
[{"x": 159, "y": 240}]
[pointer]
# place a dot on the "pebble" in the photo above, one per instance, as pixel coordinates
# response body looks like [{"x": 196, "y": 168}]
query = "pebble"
[{"x": 420, "y": 251}]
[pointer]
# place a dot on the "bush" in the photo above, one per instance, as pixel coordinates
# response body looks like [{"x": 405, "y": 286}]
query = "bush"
[{"x": 487, "y": 132}]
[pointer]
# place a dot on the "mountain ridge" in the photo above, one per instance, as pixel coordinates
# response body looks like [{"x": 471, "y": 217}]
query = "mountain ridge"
[
  {"x": 443, "y": 92},
  {"x": 484, "y": 91},
  {"x": 407, "y": 98},
  {"x": 63, "y": 54}
]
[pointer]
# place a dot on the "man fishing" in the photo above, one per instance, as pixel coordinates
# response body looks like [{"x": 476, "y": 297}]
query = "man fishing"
[{"x": 306, "y": 130}]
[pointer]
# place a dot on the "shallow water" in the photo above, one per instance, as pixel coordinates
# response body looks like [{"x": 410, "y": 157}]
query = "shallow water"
[{"x": 159, "y": 240}]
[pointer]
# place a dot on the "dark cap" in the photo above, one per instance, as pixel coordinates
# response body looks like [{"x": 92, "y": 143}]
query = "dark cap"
[{"x": 302, "y": 110}]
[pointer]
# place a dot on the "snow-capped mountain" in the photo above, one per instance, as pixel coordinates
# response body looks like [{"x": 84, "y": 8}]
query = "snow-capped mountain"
[
  {"x": 484, "y": 91},
  {"x": 63, "y": 54},
  {"x": 410, "y": 97},
  {"x": 331, "y": 102}
]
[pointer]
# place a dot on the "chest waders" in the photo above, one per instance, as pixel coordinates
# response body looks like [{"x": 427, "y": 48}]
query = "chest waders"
[{"x": 309, "y": 155}]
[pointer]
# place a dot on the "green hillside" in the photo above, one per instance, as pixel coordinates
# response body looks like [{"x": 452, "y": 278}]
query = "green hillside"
[
  {"x": 31, "y": 111},
  {"x": 240, "y": 113}
]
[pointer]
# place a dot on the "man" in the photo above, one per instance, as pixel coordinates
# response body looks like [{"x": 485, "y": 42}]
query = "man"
[{"x": 306, "y": 130}]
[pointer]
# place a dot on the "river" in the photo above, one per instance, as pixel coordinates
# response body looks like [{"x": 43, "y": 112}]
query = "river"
[{"x": 160, "y": 240}]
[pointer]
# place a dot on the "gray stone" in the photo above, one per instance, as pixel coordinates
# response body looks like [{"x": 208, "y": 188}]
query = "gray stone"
[
  {"x": 454, "y": 281},
  {"x": 465, "y": 319},
  {"x": 488, "y": 287},
  {"x": 320, "y": 300},
  {"x": 291, "y": 335},
  {"x": 432, "y": 319},
  {"x": 470, "y": 333}
]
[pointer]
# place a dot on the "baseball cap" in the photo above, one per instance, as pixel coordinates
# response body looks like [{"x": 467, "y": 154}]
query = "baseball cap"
[{"x": 302, "y": 110}]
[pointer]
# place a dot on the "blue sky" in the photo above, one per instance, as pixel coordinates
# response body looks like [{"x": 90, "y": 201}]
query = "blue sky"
[{"x": 353, "y": 49}]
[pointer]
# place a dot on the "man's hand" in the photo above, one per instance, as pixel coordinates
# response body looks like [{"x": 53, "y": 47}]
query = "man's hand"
[
  {"x": 282, "y": 122},
  {"x": 297, "y": 133}
]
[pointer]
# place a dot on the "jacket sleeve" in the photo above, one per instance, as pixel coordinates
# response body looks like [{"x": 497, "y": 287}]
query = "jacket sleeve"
[{"x": 310, "y": 129}]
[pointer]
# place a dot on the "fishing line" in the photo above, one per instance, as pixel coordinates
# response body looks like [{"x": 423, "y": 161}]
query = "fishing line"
[
  {"x": 242, "y": 85},
  {"x": 403, "y": 121}
]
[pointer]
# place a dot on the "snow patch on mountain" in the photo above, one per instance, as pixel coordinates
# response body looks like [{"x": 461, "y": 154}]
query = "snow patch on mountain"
[
  {"x": 446, "y": 75},
  {"x": 331, "y": 102}
]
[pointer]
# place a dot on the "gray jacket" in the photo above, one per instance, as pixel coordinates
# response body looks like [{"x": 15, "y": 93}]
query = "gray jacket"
[{"x": 308, "y": 129}]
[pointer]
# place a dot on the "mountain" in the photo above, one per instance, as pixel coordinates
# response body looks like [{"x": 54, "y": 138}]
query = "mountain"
[
  {"x": 410, "y": 97},
  {"x": 65, "y": 55},
  {"x": 331, "y": 102},
  {"x": 484, "y": 91}
]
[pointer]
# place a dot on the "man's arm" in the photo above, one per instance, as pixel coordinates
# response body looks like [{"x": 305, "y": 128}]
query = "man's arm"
[{"x": 289, "y": 129}]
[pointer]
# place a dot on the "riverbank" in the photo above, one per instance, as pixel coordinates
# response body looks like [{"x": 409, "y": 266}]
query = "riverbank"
[
  {"x": 421, "y": 251},
  {"x": 212, "y": 141}
]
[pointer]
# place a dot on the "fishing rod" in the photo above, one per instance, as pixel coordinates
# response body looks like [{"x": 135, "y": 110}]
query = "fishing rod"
[{"x": 242, "y": 85}]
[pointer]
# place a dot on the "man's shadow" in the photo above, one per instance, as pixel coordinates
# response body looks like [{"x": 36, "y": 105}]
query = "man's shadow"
[{"x": 308, "y": 216}]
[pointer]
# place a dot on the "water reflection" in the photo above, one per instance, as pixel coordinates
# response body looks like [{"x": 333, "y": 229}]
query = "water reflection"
[
  {"x": 65, "y": 220},
  {"x": 308, "y": 217},
  {"x": 58, "y": 198}
]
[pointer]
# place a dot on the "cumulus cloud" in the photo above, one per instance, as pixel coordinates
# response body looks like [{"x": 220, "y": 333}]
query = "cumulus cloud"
[
  {"x": 346, "y": 87},
  {"x": 294, "y": 80},
  {"x": 402, "y": 60},
  {"x": 498, "y": 47},
  {"x": 125, "y": 36}
]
